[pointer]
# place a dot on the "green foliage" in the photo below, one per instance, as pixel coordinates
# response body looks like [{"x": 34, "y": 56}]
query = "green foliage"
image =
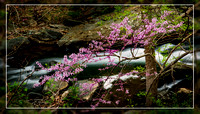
[
  {"x": 72, "y": 97},
  {"x": 139, "y": 68},
  {"x": 49, "y": 101},
  {"x": 137, "y": 100},
  {"x": 106, "y": 18},
  {"x": 175, "y": 100},
  {"x": 190, "y": 48},
  {"x": 69, "y": 101},
  {"x": 118, "y": 15},
  {"x": 49, "y": 93},
  {"x": 74, "y": 92},
  {"x": 131, "y": 103},
  {"x": 100, "y": 23},
  {"x": 118, "y": 8},
  {"x": 50, "y": 84},
  {"x": 141, "y": 94},
  {"x": 189, "y": 77},
  {"x": 20, "y": 95}
]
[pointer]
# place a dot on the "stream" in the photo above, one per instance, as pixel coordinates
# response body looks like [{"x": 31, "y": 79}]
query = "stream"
[{"x": 19, "y": 74}]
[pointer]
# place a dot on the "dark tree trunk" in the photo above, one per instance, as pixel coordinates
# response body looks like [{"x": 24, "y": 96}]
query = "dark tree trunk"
[{"x": 150, "y": 70}]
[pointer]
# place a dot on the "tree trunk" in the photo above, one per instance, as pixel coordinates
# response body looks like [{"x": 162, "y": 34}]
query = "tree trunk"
[{"x": 150, "y": 74}]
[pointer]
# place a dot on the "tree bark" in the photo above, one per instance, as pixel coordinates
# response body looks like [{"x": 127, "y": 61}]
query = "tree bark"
[{"x": 150, "y": 74}]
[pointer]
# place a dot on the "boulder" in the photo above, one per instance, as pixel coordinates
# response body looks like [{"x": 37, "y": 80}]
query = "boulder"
[
  {"x": 58, "y": 26},
  {"x": 45, "y": 36},
  {"x": 71, "y": 22},
  {"x": 87, "y": 32},
  {"x": 65, "y": 94},
  {"x": 54, "y": 86},
  {"x": 184, "y": 90},
  {"x": 131, "y": 86},
  {"x": 17, "y": 43},
  {"x": 34, "y": 95},
  {"x": 85, "y": 89}
]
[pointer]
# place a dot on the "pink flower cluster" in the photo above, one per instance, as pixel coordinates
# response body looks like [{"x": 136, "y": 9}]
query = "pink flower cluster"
[
  {"x": 100, "y": 100},
  {"x": 121, "y": 32}
]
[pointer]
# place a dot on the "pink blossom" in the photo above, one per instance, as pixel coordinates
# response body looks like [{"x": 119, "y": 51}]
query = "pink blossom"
[
  {"x": 154, "y": 20},
  {"x": 76, "y": 62},
  {"x": 117, "y": 102},
  {"x": 108, "y": 102},
  {"x": 127, "y": 91}
]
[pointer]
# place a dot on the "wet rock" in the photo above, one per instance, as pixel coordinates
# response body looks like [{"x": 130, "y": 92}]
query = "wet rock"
[
  {"x": 85, "y": 88},
  {"x": 87, "y": 32},
  {"x": 58, "y": 26},
  {"x": 45, "y": 36},
  {"x": 184, "y": 90},
  {"x": 34, "y": 95},
  {"x": 71, "y": 23},
  {"x": 65, "y": 94},
  {"x": 17, "y": 43},
  {"x": 131, "y": 87},
  {"x": 54, "y": 86}
]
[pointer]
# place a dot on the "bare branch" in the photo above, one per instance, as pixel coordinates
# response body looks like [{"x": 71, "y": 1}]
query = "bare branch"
[
  {"x": 9, "y": 101},
  {"x": 187, "y": 37},
  {"x": 162, "y": 71}
]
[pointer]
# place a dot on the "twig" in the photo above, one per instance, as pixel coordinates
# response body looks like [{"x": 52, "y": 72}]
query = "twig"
[
  {"x": 9, "y": 101},
  {"x": 17, "y": 13},
  {"x": 176, "y": 47},
  {"x": 45, "y": 13},
  {"x": 172, "y": 63}
]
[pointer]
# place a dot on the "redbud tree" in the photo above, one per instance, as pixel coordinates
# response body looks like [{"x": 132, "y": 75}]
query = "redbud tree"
[{"x": 153, "y": 25}]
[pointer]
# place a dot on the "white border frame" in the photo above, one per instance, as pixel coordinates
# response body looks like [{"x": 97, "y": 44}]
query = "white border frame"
[{"x": 98, "y": 107}]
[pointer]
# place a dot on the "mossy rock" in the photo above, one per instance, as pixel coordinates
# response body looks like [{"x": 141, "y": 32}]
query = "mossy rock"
[{"x": 54, "y": 86}]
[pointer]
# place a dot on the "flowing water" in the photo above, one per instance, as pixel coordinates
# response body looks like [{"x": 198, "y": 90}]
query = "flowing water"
[{"x": 16, "y": 74}]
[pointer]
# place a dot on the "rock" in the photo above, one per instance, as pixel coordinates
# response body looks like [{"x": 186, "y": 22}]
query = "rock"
[
  {"x": 86, "y": 89},
  {"x": 17, "y": 43},
  {"x": 45, "y": 36},
  {"x": 184, "y": 90},
  {"x": 34, "y": 95},
  {"x": 64, "y": 94},
  {"x": 54, "y": 86},
  {"x": 70, "y": 22},
  {"x": 58, "y": 26},
  {"x": 131, "y": 88},
  {"x": 87, "y": 32}
]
